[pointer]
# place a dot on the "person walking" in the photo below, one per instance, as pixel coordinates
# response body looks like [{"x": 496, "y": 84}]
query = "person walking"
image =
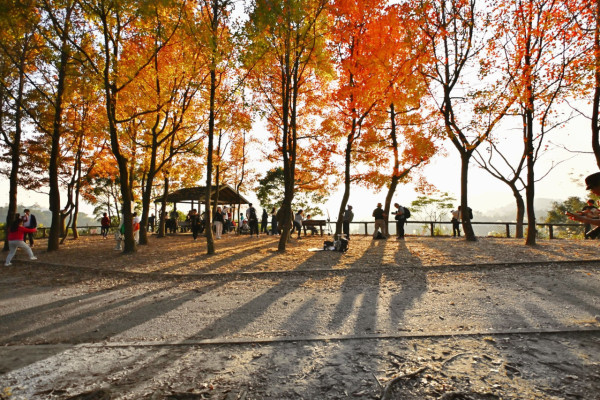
[
  {"x": 456, "y": 222},
  {"x": 15, "y": 238},
  {"x": 400, "y": 221},
  {"x": 379, "y": 216},
  {"x": 105, "y": 226},
  {"x": 264, "y": 222},
  {"x": 218, "y": 222},
  {"x": 252, "y": 220},
  {"x": 194, "y": 223},
  {"x": 30, "y": 222},
  {"x": 347, "y": 218}
]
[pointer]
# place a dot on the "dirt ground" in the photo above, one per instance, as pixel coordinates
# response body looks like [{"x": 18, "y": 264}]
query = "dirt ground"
[{"x": 423, "y": 318}]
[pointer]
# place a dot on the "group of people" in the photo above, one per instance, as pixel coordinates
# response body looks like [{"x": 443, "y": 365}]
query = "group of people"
[
  {"x": 22, "y": 228},
  {"x": 401, "y": 214}
]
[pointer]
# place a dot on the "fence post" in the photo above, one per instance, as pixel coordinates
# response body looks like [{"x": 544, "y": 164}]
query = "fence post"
[
  {"x": 550, "y": 228},
  {"x": 507, "y": 230},
  {"x": 431, "y": 228},
  {"x": 366, "y": 229}
]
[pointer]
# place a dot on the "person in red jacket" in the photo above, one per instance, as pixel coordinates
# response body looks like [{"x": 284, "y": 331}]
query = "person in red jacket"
[{"x": 15, "y": 240}]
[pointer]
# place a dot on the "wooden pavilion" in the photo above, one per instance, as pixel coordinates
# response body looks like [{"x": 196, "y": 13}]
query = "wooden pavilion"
[{"x": 196, "y": 195}]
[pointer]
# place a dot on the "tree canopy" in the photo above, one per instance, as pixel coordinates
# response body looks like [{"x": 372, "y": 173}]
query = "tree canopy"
[{"x": 119, "y": 102}]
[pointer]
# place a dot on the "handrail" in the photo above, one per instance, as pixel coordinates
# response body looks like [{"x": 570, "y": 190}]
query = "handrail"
[
  {"x": 506, "y": 224},
  {"x": 431, "y": 224}
]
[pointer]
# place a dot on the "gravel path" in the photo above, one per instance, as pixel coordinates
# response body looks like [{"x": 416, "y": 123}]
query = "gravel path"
[{"x": 528, "y": 330}]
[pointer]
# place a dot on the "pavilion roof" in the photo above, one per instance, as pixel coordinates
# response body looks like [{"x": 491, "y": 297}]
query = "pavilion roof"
[{"x": 227, "y": 195}]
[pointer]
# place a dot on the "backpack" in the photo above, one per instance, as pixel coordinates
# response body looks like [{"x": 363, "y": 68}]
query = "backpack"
[
  {"x": 252, "y": 215},
  {"x": 379, "y": 235},
  {"x": 406, "y": 213},
  {"x": 470, "y": 213}
]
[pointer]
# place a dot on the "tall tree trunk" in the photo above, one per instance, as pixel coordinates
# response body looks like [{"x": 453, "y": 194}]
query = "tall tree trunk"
[
  {"x": 520, "y": 211},
  {"x": 54, "y": 196},
  {"x": 210, "y": 239},
  {"x": 346, "y": 196},
  {"x": 396, "y": 173},
  {"x": 15, "y": 148},
  {"x": 287, "y": 148},
  {"x": 530, "y": 188},
  {"x": 464, "y": 179},
  {"x": 596, "y": 99}
]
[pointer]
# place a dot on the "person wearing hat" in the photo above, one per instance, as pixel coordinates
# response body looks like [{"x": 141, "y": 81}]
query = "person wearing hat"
[
  {"x": 592, "y": 183},
  {"x": 379, "y": 216}
]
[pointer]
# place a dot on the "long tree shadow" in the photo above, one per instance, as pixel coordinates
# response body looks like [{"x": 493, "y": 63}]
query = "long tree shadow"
[
  {"x": 543, "y": 302},
  {"x": 17, "y": 321},
  {"x": 231, "y": 324},
  {"x": 90, "y": 317},
  {"x": 236, "y": 255}
]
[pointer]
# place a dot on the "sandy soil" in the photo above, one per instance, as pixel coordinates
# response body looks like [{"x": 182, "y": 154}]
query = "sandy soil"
[{"x": 424, "y": 318}]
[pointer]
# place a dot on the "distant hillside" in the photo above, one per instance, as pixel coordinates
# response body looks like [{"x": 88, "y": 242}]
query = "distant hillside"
[
  {"x": 44, "y": 217},
  {"x": 508, "y": 212}
]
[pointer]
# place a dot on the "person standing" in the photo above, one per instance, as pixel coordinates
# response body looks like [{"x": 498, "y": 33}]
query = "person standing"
[
  {"x": 456, "y": 222},
  {"x": 174, "y": 219},
  {"x": 252, "y": 220},
  {"x": 15, "y": 238},
  {"x": 218, "y": 222},
  {"x": 298, "y": 221},
  {"x": 348, "y": 217},
  {"x": 379, "y": 216},
  {"x": 590, "y": 211},
  {"x": 274, "y": 228},
  {"x": 264, "y": 222},
  {"x": 30, "y": 222},
  {"x": 105, "y": 226},
  {"x": 136, "y": 228},
  {"x": 151, "y": 222},
  {"x": 194, "y": 223},
  {"x": 400, "y": 221}
]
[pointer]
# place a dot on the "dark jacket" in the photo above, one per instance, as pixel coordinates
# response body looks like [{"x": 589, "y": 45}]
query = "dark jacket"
[
  {"x": 32, "y": 221},
  {"x": 378, "y": 213}
]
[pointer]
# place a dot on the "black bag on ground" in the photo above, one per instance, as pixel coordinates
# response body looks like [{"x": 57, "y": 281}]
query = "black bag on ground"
[
  {"x": 341, "y": 245},
  {"x": 379, "y": 235}
]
